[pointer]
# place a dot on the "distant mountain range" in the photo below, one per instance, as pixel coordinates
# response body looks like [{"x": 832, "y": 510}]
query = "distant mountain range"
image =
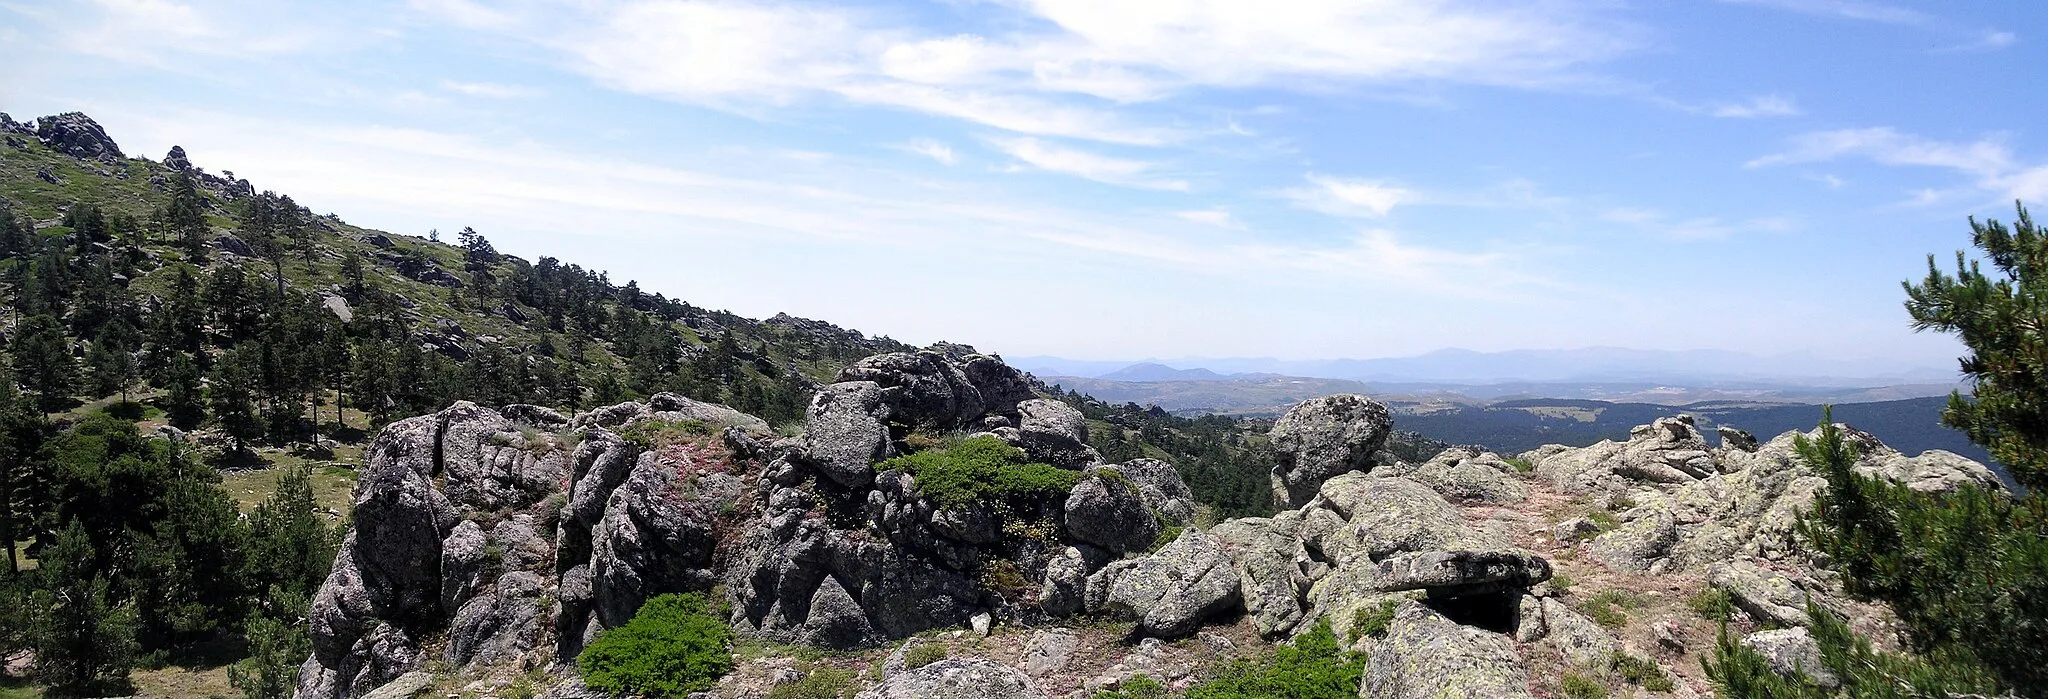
[{"x": 1589, "y": 365}]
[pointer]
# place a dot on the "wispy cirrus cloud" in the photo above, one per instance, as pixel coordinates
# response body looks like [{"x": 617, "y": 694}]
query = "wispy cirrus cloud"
[
  {"x": 1988, "y": 162},
  {"x": 497, "y": 91},
  {"x": 1756, "y": 107},
  {"x": 1039, "y": 155},
  {"x": 1695, "y": 228},
  {"x": 1339, "y": 196},
  {"x": 931, "y": 149},
  {"x": 1068, "y": 70}
]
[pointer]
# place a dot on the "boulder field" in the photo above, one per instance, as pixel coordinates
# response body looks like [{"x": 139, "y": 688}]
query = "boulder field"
[{"x": 487, "y": 542}]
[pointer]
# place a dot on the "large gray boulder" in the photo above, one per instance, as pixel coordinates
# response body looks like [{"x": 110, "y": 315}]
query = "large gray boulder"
[
  {"x": 77, "y": 135},
  {"x": 1269, "y": 558},
  {"x": 487, "y": 462},
  {"x": 500, "y": 627},
  {"x": 1456, "y": 573},
  {"x": 1170, "y": 592},
  {"x": 1769, "y": 596},
  {"x": 931, "y": 390},
  {"x": 1792, "y": 653},
  {"x": 1577, "y": 638},
  {"x": 1637, "y": 545},
  {"x": 1162, "y": 486},
  {"x": 1107, "y": 510},
  {"x": 1055, "y": 433},
  {"x": 846, "y": 431},
  {"x": 1323, "y": 437},
  {"x": 1464, "y": 474},
  {"x": 1426, "y": 656},
  {"x": 956, "y": 678}
]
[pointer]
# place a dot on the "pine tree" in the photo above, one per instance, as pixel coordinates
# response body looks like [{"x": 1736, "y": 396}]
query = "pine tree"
[
  {"x": 184, "y": 403},
  {"x": 290, "y": 544},
  {"x": 184, "y": 217},
  {"x": 43, "y": 362},
  {"x": 278, "y": 643},
  {"x": 21, "y": 436},
  {"x": 232, "y": 396},
  {"x": 83, "y": 636}
]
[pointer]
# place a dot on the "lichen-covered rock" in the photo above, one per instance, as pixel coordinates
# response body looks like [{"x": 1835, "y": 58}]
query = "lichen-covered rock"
[
  {"x": 1106, "y": 510},
  {"x": 1639, "y": 544},
  {"x": 1669, "y": 452},
  {"x": 835, "y": 619},
  {"x": 1464, "y": 474},
  {"x": 1163, "y": 488},
  {"x": 654, "y": 539},
  {"x": 1065, "y": 588},
  {"x": 1767, "y": 595},
  {"x": 846, "y": 431},
  {"x": 1049, "y": 651},
  {"x": 77, "y": 135},
  {"x": 1454, "y": 573},
  {"x": 1426, "y": 656},
  {"x": 1792, "y": 652},
  {"x": 931, "y": 391},
  {"x": 1172, "y": 591},
  {"x": 1055, "y": 433},
  {"x": 1321, "y": 438},
  {"x": 1578, "y": 638},
  {"x": 956, "y": 678},
  {"x": 1381, "y": 517},
  {"x": 462, "y": 564},
  {"x": 486, "y": 461},
  {"x": 1269, "y": 557}
]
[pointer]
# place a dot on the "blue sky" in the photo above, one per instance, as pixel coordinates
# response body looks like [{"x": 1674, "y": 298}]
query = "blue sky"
[{"x": 1123, "y": 179}]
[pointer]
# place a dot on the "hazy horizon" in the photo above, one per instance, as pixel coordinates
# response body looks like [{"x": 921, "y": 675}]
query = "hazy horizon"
[{"x": 1093, "y": 179}]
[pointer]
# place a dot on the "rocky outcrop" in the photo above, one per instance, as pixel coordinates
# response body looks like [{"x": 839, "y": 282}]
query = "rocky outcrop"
[
  {"x": 1107, "y": 510},
  {"x": 1427, "y": 656},
  {"x": 1464, "y": 474},
  {"x": 1321, "y": 438},
  {"x": 846, "y": 431},
  {"x": 77, "y": 135},
  {"x": 1170, "y": 592},
  {"x": 1055, "y": 433},
  {"x": 970, "y": 678},
  {"x": 1792, "y": 653}
]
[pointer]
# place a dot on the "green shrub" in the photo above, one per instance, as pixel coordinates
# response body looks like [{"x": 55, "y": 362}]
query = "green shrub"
[
  {"x": 1521, "y": 465},
  {"x": 1166, "y": 536},
  {"x": 1640, "y": 672},
  {"x": 1562, "y": 582},
  {"x": 1137, "y": 687},
  {"x": 1603, "y": 519},
  {"x": 1606, "y": 608},
  {"x": 819, "y": 683},
  {"x": 672, "y": 647},
  {"x": 1577, "y": 686},
  {"x": 1712, "y": 604},
  {"x": 981, "y": 469},
  {"x": 923, "y": 654},
  {"x": 1371, "y": 621},
  {"x": 1315, "y": 667}
]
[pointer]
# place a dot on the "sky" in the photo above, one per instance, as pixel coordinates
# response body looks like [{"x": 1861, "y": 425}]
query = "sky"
[{"x": 1125, "y": 179}]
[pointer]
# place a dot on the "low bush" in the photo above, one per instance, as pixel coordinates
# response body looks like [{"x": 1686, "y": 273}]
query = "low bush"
[
  {"x": 981, "y": 469},
  {"x": 923, "y": 654},
  {"x": 1606, "y": 608},
  {"x": 1137, "y": 687},
  {"x": 1640, "y": 672},
  {"x": 1371, "y": 621},
  {"x": 1712, "y": 604},
  {"x": 1315, "y": 667},
  {"x": 1577, "y": 686},
  {"x": 819, "y": 683},
  {"x": 672, "y": 647}
]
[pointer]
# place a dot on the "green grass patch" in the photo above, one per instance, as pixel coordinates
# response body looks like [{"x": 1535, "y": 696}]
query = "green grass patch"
[
  {"x": 924, "y": 654},
  {"x": 1520, "y": 464},
  {"x": 1577, "y": 686},
  {"x": 819, "y": 683},
  {"x": 1603, "y": 519},
  {"x": 1371, "y": 621},
  {"x": 981, "y": 469},
  {"x": 1712, "y": 604},
  {"x": 1609, "y": 607},
  {"x": 1640, "y": 672},
  {"x": 1137, "y": 687},
  {"x": 1315, "y": 667},
  {"x": 654, "y": 434},
  {"x": 1562, "y": 582},
  {"x": 674, "y": 646}
]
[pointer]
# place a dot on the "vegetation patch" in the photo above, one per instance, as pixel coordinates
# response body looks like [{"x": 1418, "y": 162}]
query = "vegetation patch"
[
  {"x": 1371, "y": 621},
  {"x": 1136, "y": 687},
  {"x": 654, "y": 434},
  {"x": 1520, "y": 464},
  {"x": 1712, "y": 604},
  {"x": 1640, "y": 672},
  {"x": 923, "y": 654},
  {"x": 1315, "y": 667},
  {"x": 820, "y": 683},
  {"x": 1577, "y": 686},
  {"x": 981, "y": 469},
  {"x": 674, "y": 646},
  {"x": 1608, "y": 608}
]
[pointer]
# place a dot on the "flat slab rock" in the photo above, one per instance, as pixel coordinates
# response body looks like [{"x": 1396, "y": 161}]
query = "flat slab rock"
[{"x": 957, "y": 678}]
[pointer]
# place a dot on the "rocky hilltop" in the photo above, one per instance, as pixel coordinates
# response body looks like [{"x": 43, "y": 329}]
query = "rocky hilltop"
[{"x": 491, "y": 542}]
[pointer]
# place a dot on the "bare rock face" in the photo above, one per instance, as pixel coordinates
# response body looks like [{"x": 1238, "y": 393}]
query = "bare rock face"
[
  {"x": 1170, "y": 592},
  {"x": 77, "y": 135},
  {"x": 958, "y": 678},
  {"x": 1426, "y": 656},
  {"x": 847, "y": 431},
  {"x": 1269, "y": 557},
  {"x": 1464, "y": 474},
  {"x": 1110, "y": 512},
  {"x": 1162, "y": 487},
  {"x": 1055, "y": 433},
  {"x": 1323, "y": 437}
]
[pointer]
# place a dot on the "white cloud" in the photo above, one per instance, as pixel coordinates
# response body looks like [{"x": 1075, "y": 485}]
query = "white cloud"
[
  {"x": 932, "y": 149},
  {"x": 1101, "y": 168},
  {"x": 1349, "y": 197},
  {"x": 1210, "y": 217},
  {"x": 1760, "y": 106},
  {"x": 1989, "y": 161},
  {"x": 492, "y": 90},
  {"x": 1697, "y": 228},
  {"x": 1990, "y": 40},
  {"x": 1846, "y": 9},
  {"x": 145, "y": 31},
  {"x": 1048, "y": 75}
]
